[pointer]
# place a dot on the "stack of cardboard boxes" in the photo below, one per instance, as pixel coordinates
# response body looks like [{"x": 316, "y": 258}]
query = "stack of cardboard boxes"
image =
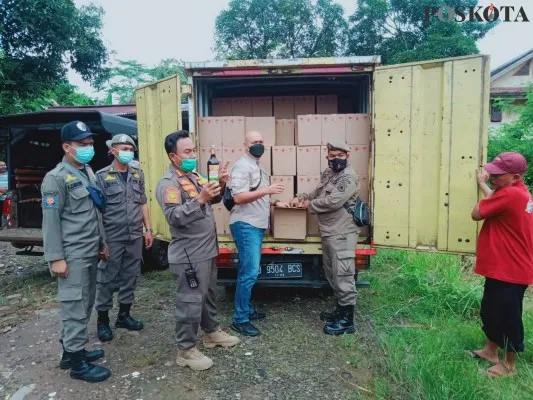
[{"x": 296, "y": 130}]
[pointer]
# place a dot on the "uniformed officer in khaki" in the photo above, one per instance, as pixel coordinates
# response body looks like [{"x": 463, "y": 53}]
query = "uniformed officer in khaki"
[
  {"x": 73, "y": 242},
  {"x": 126, "y": 213},
  {"x": 338, "y": 188},
  {"x": 185, "y": 198}
]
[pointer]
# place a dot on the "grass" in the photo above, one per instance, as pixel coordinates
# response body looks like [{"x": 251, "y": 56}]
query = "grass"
[{"x": 425, "y": 309}]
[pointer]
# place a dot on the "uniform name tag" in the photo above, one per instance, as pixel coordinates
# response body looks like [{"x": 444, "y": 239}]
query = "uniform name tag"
[{"x": 74, "y": 185}]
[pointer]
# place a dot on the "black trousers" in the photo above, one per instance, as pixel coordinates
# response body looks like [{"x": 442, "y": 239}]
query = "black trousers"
[{"x": 501, "y": 314}]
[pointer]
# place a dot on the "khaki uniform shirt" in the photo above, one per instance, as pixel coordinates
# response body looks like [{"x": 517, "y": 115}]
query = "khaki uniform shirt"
[
  {"x": 123, "y": 220},
  {"x": 71, "y": 228},
  {"x": 329, "y": 198},
  {"x": 192, "y": 226}
]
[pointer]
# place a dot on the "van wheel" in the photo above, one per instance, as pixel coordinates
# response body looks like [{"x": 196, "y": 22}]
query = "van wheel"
[
  {"x": 156, "y": 258},
  {"x": 19, "y": 245}
]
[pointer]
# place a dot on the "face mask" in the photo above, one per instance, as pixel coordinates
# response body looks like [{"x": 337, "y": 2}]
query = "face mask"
[
  {"x": 188, "y": 164},
  {"x": 337, "y": 164},
  {"x": 84, "y": 155},
  {"x": 125, "y": 157},
  {"x": 257, "y": 150}
]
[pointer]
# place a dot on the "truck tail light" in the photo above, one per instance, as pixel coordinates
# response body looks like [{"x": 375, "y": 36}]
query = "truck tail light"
[
  {"x": 362, "y": 261},
  {"x": 6, "y": 212}
]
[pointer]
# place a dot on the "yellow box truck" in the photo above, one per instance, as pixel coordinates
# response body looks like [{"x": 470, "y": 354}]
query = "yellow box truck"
[{"x": 428, "y": 136}]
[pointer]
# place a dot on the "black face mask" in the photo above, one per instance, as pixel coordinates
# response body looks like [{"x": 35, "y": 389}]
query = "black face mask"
[
  {"x": 257, "y": 150},
  {"x": 337, "y": 164}
]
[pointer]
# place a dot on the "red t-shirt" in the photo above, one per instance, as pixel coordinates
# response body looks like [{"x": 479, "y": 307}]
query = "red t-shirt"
[{"x": 505, "y": 244}]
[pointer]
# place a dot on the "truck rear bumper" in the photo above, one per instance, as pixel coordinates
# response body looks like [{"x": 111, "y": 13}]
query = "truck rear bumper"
[{"x": 28, "y": 236}]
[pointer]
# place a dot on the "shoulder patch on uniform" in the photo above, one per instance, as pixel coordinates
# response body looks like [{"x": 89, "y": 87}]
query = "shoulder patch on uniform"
[
  {"x": 70, "y": 178},
  {"x": 50, "y": 200},
  {"x": 171, "y": 195}
]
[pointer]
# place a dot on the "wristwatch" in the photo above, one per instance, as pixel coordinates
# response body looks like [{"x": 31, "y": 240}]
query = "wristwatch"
[{"x": 149, "y": 230}]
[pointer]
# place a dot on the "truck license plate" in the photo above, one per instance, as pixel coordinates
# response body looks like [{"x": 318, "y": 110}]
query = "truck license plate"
[{"x": 280, "y": 270}]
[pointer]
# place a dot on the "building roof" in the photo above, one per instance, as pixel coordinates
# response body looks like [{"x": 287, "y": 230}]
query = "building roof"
[
  {"x": 54, "y": 120},
  {"x": 511, "y": 64},
  {"x": 120, "y": 110}
]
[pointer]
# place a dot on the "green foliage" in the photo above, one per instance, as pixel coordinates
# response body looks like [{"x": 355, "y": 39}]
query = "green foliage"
[
  {"x": 259, "y": 29},
  {"x": 425, "y": 308},
  {"x": 39, "y": 41},
  {"x": 129, "y": 74},
  {"x": 517, "y": 135},
  {"x": 396, "y": 30}
]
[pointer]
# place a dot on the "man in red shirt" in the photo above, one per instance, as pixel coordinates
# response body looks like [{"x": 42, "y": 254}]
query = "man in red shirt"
[{"x": 504, "y": 258}]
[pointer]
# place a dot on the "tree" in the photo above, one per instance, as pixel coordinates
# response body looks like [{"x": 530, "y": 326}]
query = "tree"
[
  {"x": 517, "y": 135},
  {"x": 39, "y": 41},
  {"x": 258, "y": 29},
  {"x": 397, "y": 30},
  {"x": 130, "y": 74}
]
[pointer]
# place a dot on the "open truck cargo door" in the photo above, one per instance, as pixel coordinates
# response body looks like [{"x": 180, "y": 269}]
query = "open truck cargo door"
[
  {"x": 430, "y": 137},
  {"x": 158, "y": 114}
]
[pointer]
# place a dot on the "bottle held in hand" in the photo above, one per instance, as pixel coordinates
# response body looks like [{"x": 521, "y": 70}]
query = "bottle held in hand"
[{"x": 213, "y": 167}]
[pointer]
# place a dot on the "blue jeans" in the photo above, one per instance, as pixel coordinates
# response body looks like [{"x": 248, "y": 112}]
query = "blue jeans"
[{"x": 248, "y": 240}]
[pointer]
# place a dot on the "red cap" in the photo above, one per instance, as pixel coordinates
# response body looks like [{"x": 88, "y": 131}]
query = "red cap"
[{"x": 507, "y": 163}]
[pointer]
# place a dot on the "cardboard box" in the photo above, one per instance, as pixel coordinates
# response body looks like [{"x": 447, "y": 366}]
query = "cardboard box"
[
  {"x": 233, "y": 131},
  {"x": 266, "y": 160},
  {"x": 262, "y": 107},
  {"x": 312, "y": 225},
  {"x": 306, "y": 184},
  {"x": 309, "y": 130},
  {"x": 284, "y": 160},
  {"x": 360, "y": 158},
  {"x": 266, "y": 126},
  {"x": 210, "y": 131},
  {"x": 284, "y": 107},
  {"x": 333, "y": 128},
  {"x": 232, "y": 154},
  {"x": 323, "y": 158},
  {"x": 357, "y": 128},
  {"x": 221, "y": 218},
  {"x": 285, "y": 130},
  {"x": 288, "y": 182},
  {"x": 289, "y": 223},
  {"x": 304, "y": 105},
  {"x": 327, "y": 104},
  {"x": 241, "y": 106},
  {"x": 221, "y": 107},
  {"x": 308, "y": 160},
  {"x": 204, "y": 154}
]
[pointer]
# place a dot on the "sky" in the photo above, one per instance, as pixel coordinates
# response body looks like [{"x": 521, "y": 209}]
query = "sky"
[{"x": 149, "y": 31}]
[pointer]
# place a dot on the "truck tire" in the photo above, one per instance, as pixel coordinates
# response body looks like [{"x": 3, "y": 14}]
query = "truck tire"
[{"x": 155, "y": 258}]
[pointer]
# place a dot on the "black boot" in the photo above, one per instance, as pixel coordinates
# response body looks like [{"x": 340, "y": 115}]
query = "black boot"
[
  {"x": 343, "y": 324},
  {"x": 126, "y": 321},
  {"x": 66, "y": 359},
  {"x": 81, "y": 369},
  {"x": 330, "y": 316},
  {"x": 105, "y": 334}
]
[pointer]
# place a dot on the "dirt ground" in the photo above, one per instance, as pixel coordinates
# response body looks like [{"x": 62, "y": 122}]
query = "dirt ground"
[{"x": 292, "y": 359}]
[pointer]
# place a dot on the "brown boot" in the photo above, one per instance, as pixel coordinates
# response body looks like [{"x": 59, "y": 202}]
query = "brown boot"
[
  {"x": 194, "y": 359},
  {"x": 219, "y": 338}
]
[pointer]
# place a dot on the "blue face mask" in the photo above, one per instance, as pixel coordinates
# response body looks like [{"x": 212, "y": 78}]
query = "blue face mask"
[
  {"x": 125, "y": 157},
  {"x": 84, "y": 155}
]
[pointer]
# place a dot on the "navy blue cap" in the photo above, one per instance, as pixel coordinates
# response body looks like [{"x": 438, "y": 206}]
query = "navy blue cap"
[{"x": 75, "y": 131}]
